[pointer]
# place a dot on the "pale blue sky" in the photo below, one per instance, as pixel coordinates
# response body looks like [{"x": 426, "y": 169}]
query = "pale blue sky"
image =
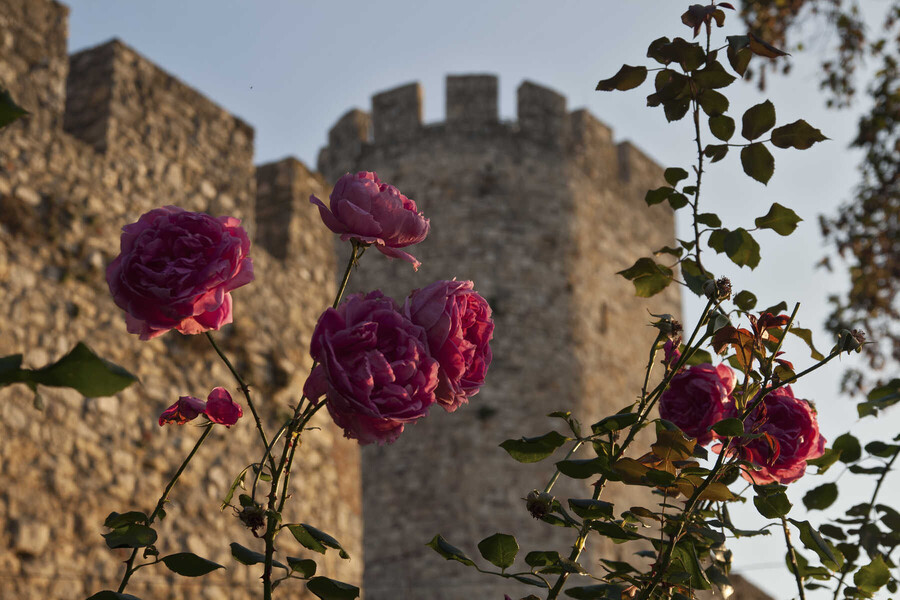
[{"x": 292, "y": 68}]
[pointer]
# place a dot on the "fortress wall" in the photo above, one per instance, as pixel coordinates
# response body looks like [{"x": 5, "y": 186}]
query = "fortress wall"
[
  {"x": 514, "y": 207},
  {"x": 63, "y": 201}
]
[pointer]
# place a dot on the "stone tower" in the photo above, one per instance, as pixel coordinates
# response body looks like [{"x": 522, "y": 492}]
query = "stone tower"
[{"x": 540, "y": 213}]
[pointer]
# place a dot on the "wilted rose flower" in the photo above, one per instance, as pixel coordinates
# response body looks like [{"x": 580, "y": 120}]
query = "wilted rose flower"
[
  {"x": 457, "y": 321},
  {"x": 696, "y": 399},
  {"x": 176, "y": 269},
  {"x": 218, "y": 408},
  {"x": 791, "y": 438},
  {"x": 375, "y": 368},
  {"x": 363, "y": 208}
]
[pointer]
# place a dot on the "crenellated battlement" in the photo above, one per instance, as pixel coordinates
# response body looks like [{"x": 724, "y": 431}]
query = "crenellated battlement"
[{"x": 472, "y": 111}]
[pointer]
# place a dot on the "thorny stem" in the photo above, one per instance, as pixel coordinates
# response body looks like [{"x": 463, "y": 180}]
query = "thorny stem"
[
  {"x": 866, "y": 521},
  {"x": 795, "y": 568},
  {"x": 246, "y": 391},
  {"x": 129, "y": 564}
]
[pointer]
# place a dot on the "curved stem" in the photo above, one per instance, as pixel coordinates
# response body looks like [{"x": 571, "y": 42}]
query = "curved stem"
[
  {"x": 555, "y": 477},
  {"x": 129, "y": 564},
  {"x": 245, "y": 389},
  {"x": 795, "y": 568}
]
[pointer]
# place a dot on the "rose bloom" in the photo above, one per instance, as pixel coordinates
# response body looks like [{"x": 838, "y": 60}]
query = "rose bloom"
[
  {"x": 696, "y": 399},
  {"x": 176, "y": 270},
  {"x": 218, "y": 408},
  {"x": 793, "y": 438},
  {"x": 363, "y": 208},
  {"x": 457, "y": 321},
  {"x": 375, "y": 368}
]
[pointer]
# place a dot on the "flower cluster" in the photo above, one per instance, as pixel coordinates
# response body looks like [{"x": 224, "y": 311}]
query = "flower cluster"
[
  {"x": 218, "y": 408},
  {"x": 786, "y": 432}
]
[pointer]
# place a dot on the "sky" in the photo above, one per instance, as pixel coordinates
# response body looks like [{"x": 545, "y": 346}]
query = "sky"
[{"x": 292, "y": 68}]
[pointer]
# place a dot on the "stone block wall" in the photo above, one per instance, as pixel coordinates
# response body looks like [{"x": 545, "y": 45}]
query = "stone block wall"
[{"x": 539, "y": 215}]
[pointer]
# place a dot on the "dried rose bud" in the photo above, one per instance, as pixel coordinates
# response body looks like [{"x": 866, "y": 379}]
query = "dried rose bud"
[{"x": 539, "y": 504}]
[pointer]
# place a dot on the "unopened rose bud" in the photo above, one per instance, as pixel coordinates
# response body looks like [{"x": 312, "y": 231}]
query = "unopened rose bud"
[
  {"x": 719, "y": 289},
  {"x": 253, "y": 517},
  {"x": 849, "y": 341},
  {"x": 667, "y": 325},
  {"x": 539, "y": 504}
]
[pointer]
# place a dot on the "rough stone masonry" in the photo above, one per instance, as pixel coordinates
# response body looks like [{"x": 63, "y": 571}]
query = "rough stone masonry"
[{"x": 539, "y": 212}]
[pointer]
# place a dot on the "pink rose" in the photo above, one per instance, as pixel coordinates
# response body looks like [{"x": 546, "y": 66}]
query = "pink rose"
[
  {"x": 696, "y": 399},
  {"x": 374, "y": 368},
  {"x": 218, "y": 408},
  {"x": 792, "y": 438},
  {"x": 363, "y": 208},
  {"x": 457, "y": 321},
  {"x": 176, "y": 269}
]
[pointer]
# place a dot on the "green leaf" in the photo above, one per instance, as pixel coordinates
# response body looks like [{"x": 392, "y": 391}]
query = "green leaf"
[
  {"x": 693, "y": 276},
  {"x": 677, "y": 200},
  {"x": 658, "y": 195},
  {"x": 849, "y": 448},
  {"x": 745, "y": 300},
  {"x": 825, "y": 461},
  {"x": 741, "y": 248},
  {"x": 722, "y": 127},
  {"x": 758, "y": 162},
  {"x": 305, "y": 567},
  {"x": 716, "y": 152},
  {"x": 9, "y": 364},
  {"x": 757, "y": 120},
  {"x": 499, "y": 549},
  {"x": 534, "y": 449},
  {"x": 713, "y": 76},
  {"x": 729, "y": 427},
  {"x": 828, "y": 554},
  {"x": 111, "y": 595},
  {"x": 713, "y": 103},
  {"x": 881, "y": 449},
  {"x": 9, "y": 110},
  {"x": 739, "y": 53},
  {"x": 673, "y": 175},
  {"x": 529, "y": 580},
  {"x": 315, "y": 539},
  {"x": 627, "y": 78},
  {"x": 779, "y": 219},
  {"x": 880, "y": 398},
  {"x": 799, "y": 134},
  {"x": 130, "y": 536},
  {"x": 676, "y": 109},
  {"x": 246, "y": 555},
  {"x": 806, "y": 336},
  {"x": 772, "y": 506},
  {"x": 582, "y": 468},
  {"x": 709, "y": 219},
  {"x": 648, "y": 277},
  {"x": 449, "y": 551},
  {"x": 656, "y": 50},
  {"x": 587, "y": 508},
  {"x": 615, "y": 422},
  {"x": 187, "y": 564},
  {"x": 116, "y": 520},
  {"x": 613, "y": 531},
  {"x": 873, "y": 576},
  {"x": 821, "y": 497},
  {"x": 85, "y": 372},
  {"x": 330, "y": 589},
  {"x": 542, "y": 558},
  {"x": 686, "y": 554},
  {"x": 601, "y": 591}
]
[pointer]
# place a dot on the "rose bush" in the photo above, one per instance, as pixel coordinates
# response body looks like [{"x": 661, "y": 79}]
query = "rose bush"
[
  {"x": 361, "y": 207},
  {"x": 697, "y": 399},
  {"x": 791, "y": 438},
  {"x": 375, "y": 368},
  {"x": 176, "y": 270},
  {"x": 218, "y": 408},
  {"x": 457, "y": 321}
]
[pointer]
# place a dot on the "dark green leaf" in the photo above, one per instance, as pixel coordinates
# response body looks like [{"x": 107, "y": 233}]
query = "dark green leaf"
[
  {"x": 534, "y": 449},
  {"x": 648, "y": 277},
  {"x": 694, "y": 277},
  {"x": 806, "y": 336},
  {"x": 529, "y": 580},
  {"x": 773, "y": 506},
  {"x": 712, "y": 102},
  {"x": 655, "y": 50},
  {"x": 499, "y": 549},
  {"x": 9, "y": 110},
  {"x": 582, "y": 468},
  {"x": 246, "y": 555},
  {"x": 745, "y": 300},
  {"x": 713, "y": 76},
  {"x": 676, "y": 109},
  {"x": 716, "y": 152},
  {"x": 758, "y": 162},
  {"x": 187, "y": 564},
  {"x": 825, "y": 461},
  {"x": 330, "y": 589},
  {"x": 542, "y": 558},
  {"x": 849, "y": 448},
  {"x": 9, "y": 364},
  {"x": 687, "y": 54},
  {"x": 676, "y": 252},
  {"x": 658, "y": 195},
  {"x": 729, "y": 427},
  {"x": 799, "y": 134},
  {"x": 305, "y": 567},
  {"x": 115, "y": 520},
  {"x": 130, "y": 536},
  {"x": 757, "y": 120},
  {"x": 85, "y": 372},
  {"x": 686, "y": 555},
  {"x": 602, "y": 591},
  {"x": 821, "y": 497},
  {"x": 722, "y": 127},
  {"x": 677, "y": 200},
  {"x": 591, "y": 509},
  {"x": 832, "y": 531},
  {"x": 741, "y": 248},
  {"x": 449, "y": 551},
  {"x": 315, "y": 539},
  {"x": 627, "y": 78},
  {"x": 699, "y": 357},
  {"x": 881, "y": 449},
  {"x": 873, "y": 576},
  {"x": 880, "y": 398},
  {"x": 709, "y": 219},
  {"x": 673, "y": 175},
  {"x": 615, "y": 422},
  {"x": 779, "y": 219},
  {"x": 828, "y": 554},
  {"x": 613, "y": 531},
  {"x": 739, "y": 53},
  {"x": 716, "y": 240},
  {"x": 111, "y": 595}
]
